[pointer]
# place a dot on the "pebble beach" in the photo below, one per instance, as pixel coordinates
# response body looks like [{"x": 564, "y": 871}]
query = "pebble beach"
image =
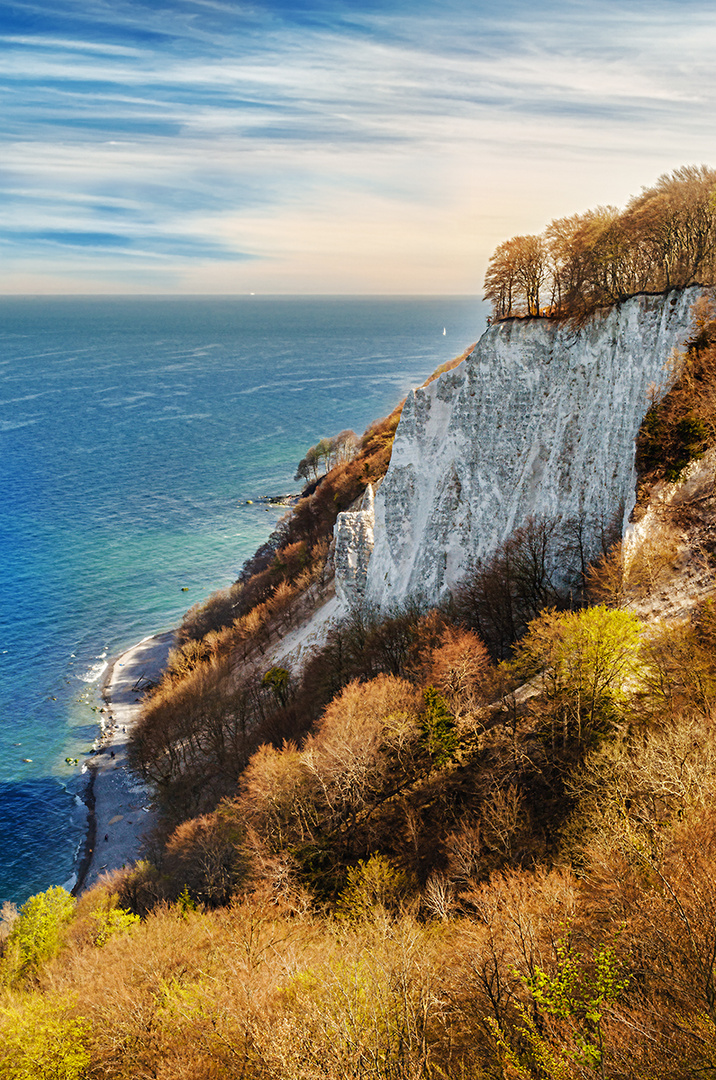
[{"x": 120, "y": 809}]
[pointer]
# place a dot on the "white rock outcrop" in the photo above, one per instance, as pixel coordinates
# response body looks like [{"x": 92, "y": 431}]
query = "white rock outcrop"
[
  {"x": 353, "y": 533},
  {"x": 539, "y": 420}
]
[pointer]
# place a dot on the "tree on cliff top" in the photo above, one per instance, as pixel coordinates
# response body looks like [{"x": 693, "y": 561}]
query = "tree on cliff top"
[
  {"x": 517, "y": 272},
  {"x": 664, "y": 238}
]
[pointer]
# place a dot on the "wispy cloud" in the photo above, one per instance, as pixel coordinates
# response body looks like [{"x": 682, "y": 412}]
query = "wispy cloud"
[
  {"x": 212, "y": 130},
  {"x": 41, "y": 42}
]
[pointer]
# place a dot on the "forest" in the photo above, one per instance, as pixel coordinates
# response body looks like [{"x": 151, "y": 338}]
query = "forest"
[
  {"x": 665, "y": 238},
  {"x": 475, "y": 842}
]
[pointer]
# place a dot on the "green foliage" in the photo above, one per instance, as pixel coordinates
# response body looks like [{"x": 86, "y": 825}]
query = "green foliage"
[
  {"x": 373, "y": 885},
  {"x": 438, "y": 726},
  {"x": 36, "y": 935},
  {"x": 112, "y": 920},
  {"x": 277, "y": 680},
  {"x": 42, "y": 1039},
  {"x": 577, "y": 992},
  {"x": 185, "y": 902},
  {"x": 587, "y": 663},
  {"x": 563, "y": 1024}
]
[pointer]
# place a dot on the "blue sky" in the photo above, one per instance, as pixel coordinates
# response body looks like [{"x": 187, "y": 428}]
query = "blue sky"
[{"x": 213, "y": 146}]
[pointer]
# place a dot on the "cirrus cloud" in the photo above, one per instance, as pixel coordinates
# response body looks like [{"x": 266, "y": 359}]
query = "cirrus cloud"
[{"x": 327, "y": 147}]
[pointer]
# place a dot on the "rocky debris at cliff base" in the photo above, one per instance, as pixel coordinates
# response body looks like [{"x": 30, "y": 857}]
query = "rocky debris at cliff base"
[
  {"x": 278, "y": 500},
  {"x": 309, "y": 635}
]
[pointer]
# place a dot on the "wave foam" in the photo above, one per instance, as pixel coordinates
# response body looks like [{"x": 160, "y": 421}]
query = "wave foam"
[{"x": 93, "y": 672}]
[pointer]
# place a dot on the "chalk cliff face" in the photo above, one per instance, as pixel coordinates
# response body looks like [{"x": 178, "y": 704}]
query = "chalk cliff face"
[
  {"x": 539, "y": 420},
  {"x": 354, "y": 544}
]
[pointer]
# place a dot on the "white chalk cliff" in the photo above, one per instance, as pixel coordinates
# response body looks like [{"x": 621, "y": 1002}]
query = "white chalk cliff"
[
  {"x": 353, "y": 535},
  {"x": 539, "y": 420}
]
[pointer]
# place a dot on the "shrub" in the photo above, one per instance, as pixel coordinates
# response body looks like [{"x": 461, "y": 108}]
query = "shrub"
[
  {"x": 42, "y": 1038},
  {"x": 666, "y": 444},
  {"x": 438, "y": 726},
  {"x": 365, "y": 743},
  {"x": 372, "y": 886},
  {"x": 36, "y": 934},
  {"x": 277, "y": 680},
  {"x": 277, "y": 798},
  {"x": 110, "y": 921},
  {"x": 207, "y": 855},
  {"x": 138, "y": 888}
]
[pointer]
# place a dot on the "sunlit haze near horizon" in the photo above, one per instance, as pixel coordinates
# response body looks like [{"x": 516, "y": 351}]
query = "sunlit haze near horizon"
[{"x": 193, "y": 146}]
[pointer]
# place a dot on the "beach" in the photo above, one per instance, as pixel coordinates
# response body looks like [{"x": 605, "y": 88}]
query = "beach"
[{"x": 119, "y": 803}]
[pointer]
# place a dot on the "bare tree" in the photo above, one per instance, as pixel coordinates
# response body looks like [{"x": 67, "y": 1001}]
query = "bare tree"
[
  {"x": 665, "y": 238},
  {"x": 515, "y": 275}
]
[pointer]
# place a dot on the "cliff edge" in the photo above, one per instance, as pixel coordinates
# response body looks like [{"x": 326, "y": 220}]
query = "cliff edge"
[{"x": 539, "y": 420}]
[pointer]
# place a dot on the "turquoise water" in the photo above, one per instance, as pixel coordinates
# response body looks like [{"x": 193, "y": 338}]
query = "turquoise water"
[{"x": 132, "y": 432}]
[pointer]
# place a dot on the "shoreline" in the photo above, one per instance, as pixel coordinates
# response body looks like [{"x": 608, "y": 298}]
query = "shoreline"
[{"x": 120, "y": 809}]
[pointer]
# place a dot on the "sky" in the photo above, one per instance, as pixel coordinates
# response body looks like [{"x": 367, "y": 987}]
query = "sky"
[{"x": 319, "y": 146}]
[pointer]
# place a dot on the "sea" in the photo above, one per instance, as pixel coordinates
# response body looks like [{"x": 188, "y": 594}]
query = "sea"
[{"x": 137, "y": 439}]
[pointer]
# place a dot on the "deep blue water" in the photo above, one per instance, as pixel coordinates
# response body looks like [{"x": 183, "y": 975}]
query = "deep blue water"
[{"x": 132, "y": 432}]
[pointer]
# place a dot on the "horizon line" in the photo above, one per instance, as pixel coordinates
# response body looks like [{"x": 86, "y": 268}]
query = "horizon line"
[{"x": 236, "y": 296}]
